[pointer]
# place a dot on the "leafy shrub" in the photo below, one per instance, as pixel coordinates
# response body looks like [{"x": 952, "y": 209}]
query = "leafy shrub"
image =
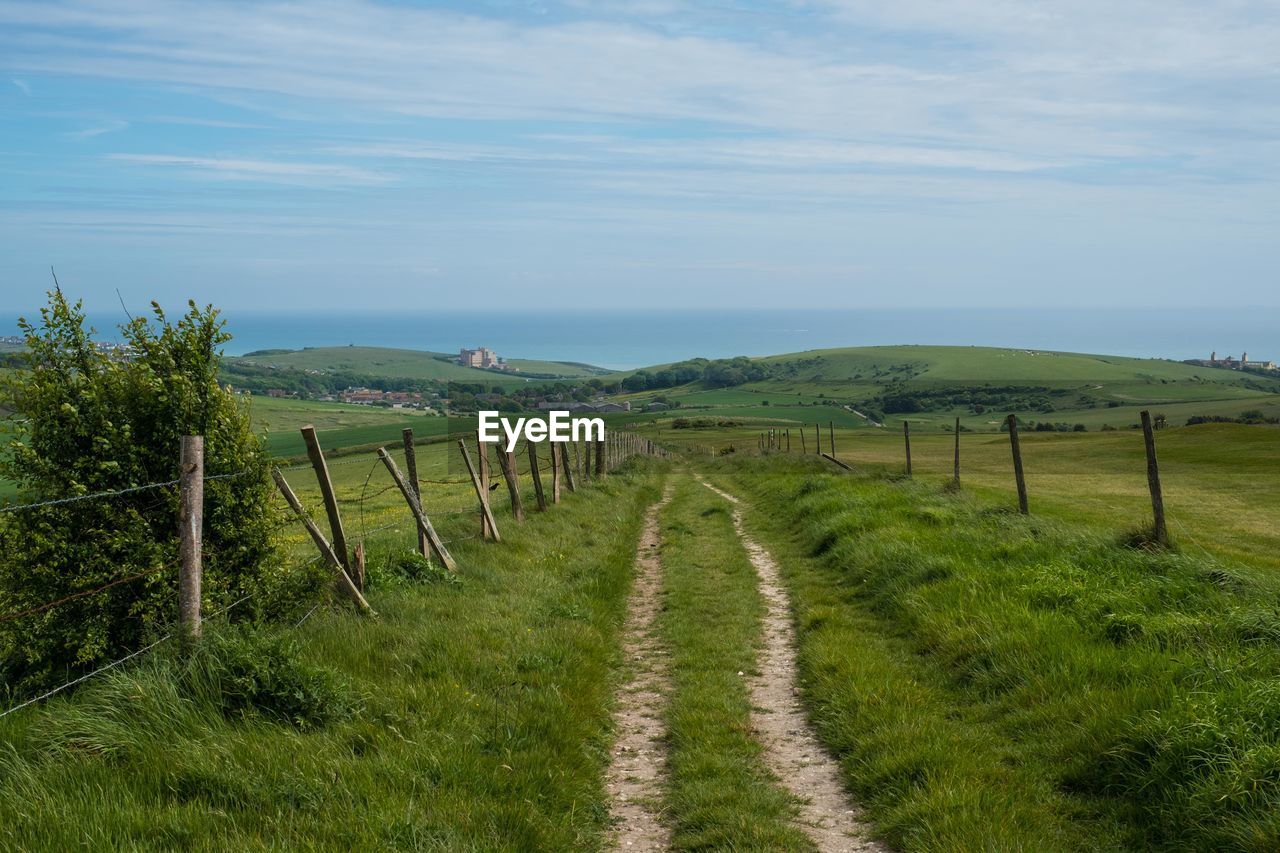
[
  {"x": 418, "y": 569},
  {"x": 93, "y": 420}
]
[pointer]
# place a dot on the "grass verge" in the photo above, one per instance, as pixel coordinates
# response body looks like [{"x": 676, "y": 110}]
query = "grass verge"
[
  {"x": 721, "y": 794},
  {"x": 474, "y": 715},
  {"x": 996, "y": 682}
]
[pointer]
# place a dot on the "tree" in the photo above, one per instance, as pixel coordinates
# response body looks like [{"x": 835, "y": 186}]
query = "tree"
[{"x": 88, "y": 420}]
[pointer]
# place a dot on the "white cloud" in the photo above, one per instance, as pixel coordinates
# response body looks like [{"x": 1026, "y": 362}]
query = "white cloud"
[
  {"x": 99, "y": 130},
  {"x": 23, "y": 86},
  {"x": 266, "y": 170}
]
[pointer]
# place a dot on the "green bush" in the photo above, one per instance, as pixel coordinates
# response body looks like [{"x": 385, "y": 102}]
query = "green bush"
[{"x": 88, "y": 420}]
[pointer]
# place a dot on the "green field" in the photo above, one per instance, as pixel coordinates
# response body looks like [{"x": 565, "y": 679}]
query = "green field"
[
  {"x": 413, "y": 364},
  {"x": 1090, "y": 389}
]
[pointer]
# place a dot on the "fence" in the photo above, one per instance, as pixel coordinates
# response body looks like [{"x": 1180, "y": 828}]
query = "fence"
[
  {"x": 778, "y": 440},
  {"x": 568, "y": 467}
]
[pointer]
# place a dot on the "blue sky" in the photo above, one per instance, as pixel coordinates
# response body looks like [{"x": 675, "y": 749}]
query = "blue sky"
[{"x": 554, "y": 155}]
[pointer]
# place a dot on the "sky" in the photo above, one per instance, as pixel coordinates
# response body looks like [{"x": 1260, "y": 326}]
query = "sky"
[{"x": 552, "y": 156}]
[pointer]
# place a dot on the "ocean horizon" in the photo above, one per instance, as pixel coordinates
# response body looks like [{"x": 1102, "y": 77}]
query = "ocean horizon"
[{"x": 629, "y": 339}]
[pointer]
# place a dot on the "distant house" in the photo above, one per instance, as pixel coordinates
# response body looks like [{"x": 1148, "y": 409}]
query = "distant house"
[
  {"x": 613, "y": 407},
  {"x": 483, "y": 357},
  {"x": 1232, "y": 363}
]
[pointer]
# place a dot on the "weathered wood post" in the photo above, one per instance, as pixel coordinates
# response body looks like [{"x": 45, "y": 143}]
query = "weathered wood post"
[
  {"x": 906, "y": 437},
  {"x": 321, "y": 467},
  {"x": 831, "y": 433},
  {"x": 482, "y": 495},
  {"x": 190, "y": 532},
  {"x": 599, "y": 460},
  {"x": 956, "y": 479},
  {"x": 345, "y": 584},
  {"x": 1012, "y": 420},
  {"x": 803, "y": 449},
  {"x": 537, "y": 476},
  {"x": 506, "y": 461},
  {"x": 411, "y": 470},
  {"x": 817, "y": 438},
  {"x": 482, "y": 460},
  {"x": 555, "y": 471},
  {"x": 565, "y": 464},
  {"x": 1159, "y": 529},
  {"x": 419, "y": 515}
]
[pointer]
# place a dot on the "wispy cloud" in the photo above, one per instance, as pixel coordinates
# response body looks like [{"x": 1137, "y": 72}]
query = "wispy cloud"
[
  {"x": 265, "y": 170},
  {"x": 23, "y": 86},
  {"x": 98, "y": 130}
]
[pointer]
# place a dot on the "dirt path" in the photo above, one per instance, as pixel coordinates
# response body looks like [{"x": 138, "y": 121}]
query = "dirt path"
[
  {"x": 791, "y": 749},
  {"x": 634, "y": 779}
]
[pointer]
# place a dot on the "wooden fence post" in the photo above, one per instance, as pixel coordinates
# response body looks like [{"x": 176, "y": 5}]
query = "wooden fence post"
[
  {"x": 537, "y": 476},
  {"x": 482, "y": 495},
  {"x": 415, "y": 506},
  {"x": 817, "y": 438},
  {"x": 555, "y": 472},
  {"x": 506, "y": 461},
  {"x": 1159, "y": 529},
  {"x": 788, "y": 439},
  {"x": 345, "y": 585},
  {"x": 831, "y": 432},
  {"x": 566, "y": 466},
  {"x": 191, "y": 532},
  {"x": 1012, "y": 420},
  {"x": 956, "y": 480},
  {"x": 411, "y": 469},
  {"x": 803, "y": 449},
  {"x": 321, "y": 467},
  {"x": 358, "y": 565},
  {"x": 482, "y": 461},
  {"x": 599, "y": 460},
  {"x": 906, "y": 437}
]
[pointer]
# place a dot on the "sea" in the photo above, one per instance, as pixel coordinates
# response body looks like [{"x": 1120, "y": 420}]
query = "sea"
[{"x": 629, "y": 339}]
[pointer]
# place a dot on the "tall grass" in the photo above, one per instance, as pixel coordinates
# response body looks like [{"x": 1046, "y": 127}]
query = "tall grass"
[
  {"x": 472, "y": 715},
  {"x": 993, "y": 681}
]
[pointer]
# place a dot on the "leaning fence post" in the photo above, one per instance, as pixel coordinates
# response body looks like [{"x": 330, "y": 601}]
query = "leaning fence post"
[
  {"x": 803, "y": 448},
  {"x": 1012, "y": 420},
  {"x": 906, "y": 437},
  {"x": 326, "y": 491},
  {"x": 489, "y": 529},
  {"x": 411, "y": 470},
  {"x": 415, "y": 506},
  {"x": 191, "y": 531},
  {"x": 537, "y": 476},
  {"x": 1153, "y": 482},
  {"x": 506, "y": 461},
  {"x": 345, "y": 585},
  {"x": 482, "y": 459}
]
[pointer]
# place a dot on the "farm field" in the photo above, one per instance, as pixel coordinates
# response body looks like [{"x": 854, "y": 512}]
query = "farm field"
[{"x": 1220, "y": 488}]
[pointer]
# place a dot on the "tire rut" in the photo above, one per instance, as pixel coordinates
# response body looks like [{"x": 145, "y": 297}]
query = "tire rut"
[{"x": 636, "y": 770}]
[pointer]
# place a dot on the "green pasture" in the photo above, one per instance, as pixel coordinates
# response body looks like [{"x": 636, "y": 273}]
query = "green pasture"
[{"x": 410, "y": 364}]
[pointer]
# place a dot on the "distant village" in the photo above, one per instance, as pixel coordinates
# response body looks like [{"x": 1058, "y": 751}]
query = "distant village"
[{"x": 1233, "y": 363}]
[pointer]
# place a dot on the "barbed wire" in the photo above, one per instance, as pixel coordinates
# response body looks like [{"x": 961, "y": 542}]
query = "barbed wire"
[
  {"x": 9, "y": 617},
  {"x": 116, "y": 492}
]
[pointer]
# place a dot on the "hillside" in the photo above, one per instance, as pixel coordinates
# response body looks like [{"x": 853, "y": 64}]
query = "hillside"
[
  {"x": 931, "y": 385},
  {"x": 410, "y": 364}
]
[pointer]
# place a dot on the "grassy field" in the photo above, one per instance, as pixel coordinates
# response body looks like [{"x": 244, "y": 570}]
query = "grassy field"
[
  {"x": 413, "y": 364},
  {"x": 1090, "y": 389},
  {"x": 1219, "y": 485},
  {"x": 996, "y": 682},
  {"x": 470, "y": 715},
  {"x": 337, "y": 424}
]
